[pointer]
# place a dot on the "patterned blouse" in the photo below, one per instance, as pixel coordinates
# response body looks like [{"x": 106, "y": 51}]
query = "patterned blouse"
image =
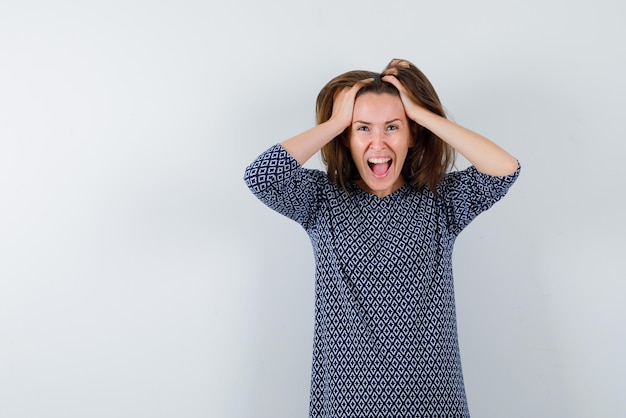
[{"x": 385, "y": 337}]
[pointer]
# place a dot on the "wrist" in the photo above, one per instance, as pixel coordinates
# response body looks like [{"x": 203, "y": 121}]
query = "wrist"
[
  {"x": 335, "y": 126},
  {"x": 424, "y": 117}
]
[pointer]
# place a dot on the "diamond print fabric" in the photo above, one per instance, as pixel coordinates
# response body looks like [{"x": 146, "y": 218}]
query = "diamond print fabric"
[{"x": 385, "y": 337}]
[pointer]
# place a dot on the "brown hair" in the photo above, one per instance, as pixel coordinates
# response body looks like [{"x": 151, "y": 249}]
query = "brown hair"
[{"x": 427, "y": 161}]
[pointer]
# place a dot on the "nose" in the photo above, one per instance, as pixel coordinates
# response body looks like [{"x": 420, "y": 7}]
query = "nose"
[{"x": 378, "y": 141}]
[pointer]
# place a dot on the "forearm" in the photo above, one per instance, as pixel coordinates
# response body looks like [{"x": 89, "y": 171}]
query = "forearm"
[
  {"x": 303, "y": 146},
  {"x": 482, "y": 153}
]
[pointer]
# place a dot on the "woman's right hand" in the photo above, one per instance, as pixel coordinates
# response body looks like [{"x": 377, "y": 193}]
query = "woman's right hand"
[
  {"x": 303, "y": 146},
  {"x": 343, "y": 103}
]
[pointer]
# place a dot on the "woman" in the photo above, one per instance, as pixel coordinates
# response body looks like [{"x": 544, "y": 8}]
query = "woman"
[{"x": 382, "y": 221}]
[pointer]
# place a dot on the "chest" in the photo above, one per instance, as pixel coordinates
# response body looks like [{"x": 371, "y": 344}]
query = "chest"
[{"x": 398, "y": 237}]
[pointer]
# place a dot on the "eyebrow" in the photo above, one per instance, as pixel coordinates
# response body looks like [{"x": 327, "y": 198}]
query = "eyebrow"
[{"x": 369, "y": 123}]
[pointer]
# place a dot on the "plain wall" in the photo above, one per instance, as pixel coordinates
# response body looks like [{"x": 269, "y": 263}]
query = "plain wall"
[{"x": 140, "y": 278}]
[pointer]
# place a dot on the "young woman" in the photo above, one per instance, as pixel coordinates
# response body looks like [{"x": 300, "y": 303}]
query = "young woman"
[{"x": 382, "y": 221}]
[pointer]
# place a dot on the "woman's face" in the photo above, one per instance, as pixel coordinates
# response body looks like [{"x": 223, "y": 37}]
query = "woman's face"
[{"x": 379, "y": 142}]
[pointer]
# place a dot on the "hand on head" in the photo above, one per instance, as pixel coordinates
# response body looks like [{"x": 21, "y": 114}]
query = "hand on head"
[
  {"x": 392, "y": 75},
  {"x": 343, "y": 103},
  {"x": 401, "y": 74}
]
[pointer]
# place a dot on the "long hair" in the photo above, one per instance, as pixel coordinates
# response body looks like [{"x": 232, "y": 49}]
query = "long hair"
[{"x": 427, "y": 161}]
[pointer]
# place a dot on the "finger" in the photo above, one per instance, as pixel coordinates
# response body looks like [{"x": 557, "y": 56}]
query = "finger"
[
  {"x": 391, "y": 79},
  {"x": 341, "y": 91},
  {"x": 344, "y": 97},
  {"x": 391, "y": 71},
  {"x": 363, "y": 82},
  {"x": 401, "y": 63},
  {"x": 392, "y": 67},
  {"x": 405, "y": 95},
  {"x": 359, "y": 85}
]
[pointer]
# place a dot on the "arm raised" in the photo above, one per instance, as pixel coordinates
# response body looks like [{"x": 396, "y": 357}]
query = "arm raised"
[
  {"x": 485, "y": 155},
  {"x": 304, "y": 145}
]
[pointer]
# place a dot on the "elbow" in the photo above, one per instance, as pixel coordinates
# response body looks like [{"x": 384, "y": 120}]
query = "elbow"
[
  {"x": 511, "y": 166},
  {"x": 506, "y": 165},
  {"x": 501, "y": 168}
]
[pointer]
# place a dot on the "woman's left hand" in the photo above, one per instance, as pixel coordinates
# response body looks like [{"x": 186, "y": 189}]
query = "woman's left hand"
[
  {"x": 485, "y": 155},
  {"x": 413, "y": 110}
]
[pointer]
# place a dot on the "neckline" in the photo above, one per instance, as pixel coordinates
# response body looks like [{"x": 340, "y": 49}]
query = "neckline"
[{"x": 371, "y": 196}]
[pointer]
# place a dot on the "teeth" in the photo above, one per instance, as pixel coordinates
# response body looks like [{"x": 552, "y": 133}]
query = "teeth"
[{"x": 378, "y": 160}]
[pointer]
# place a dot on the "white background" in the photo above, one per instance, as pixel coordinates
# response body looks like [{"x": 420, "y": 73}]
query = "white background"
[{"x": 140, "y": 278}]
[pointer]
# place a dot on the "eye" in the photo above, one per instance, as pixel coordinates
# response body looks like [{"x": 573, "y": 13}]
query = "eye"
[
  {"x": 362, "y": 128},
  {"x": 392, "y": 127}
]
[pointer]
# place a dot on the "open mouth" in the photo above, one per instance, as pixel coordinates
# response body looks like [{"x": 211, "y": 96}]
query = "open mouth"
[{"x": 379, "y": 166}]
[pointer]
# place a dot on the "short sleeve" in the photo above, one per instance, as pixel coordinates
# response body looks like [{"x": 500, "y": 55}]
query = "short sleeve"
[
  {"x": 467, "y": 193},
  {"x": 281, "y": 183}
]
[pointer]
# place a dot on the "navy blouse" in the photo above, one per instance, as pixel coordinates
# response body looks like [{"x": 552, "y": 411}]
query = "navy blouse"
[{"x": 385, "y": 338}]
